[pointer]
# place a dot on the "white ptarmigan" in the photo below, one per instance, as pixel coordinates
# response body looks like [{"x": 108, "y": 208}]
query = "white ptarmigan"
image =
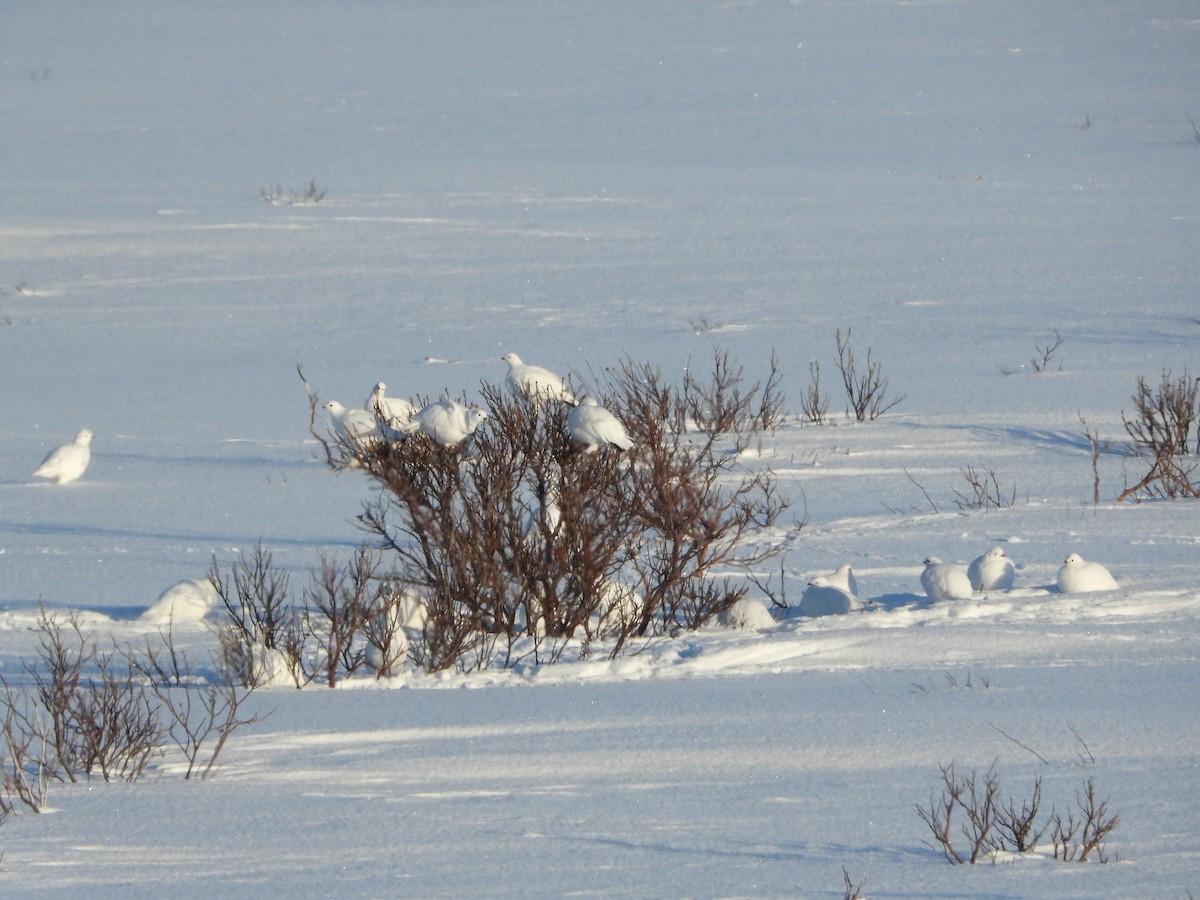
[
  {"x": 534, "y": 383},
  {"x": 993, "y": 571},
  {"x": 592, "y": 425},
  {"x": 187, "y": 601},
  {"x": 355, "y": 426},
  {"x": 449, "y": 422},
  {"x": 843, "y": 577},
  {"x": 395, "y": 412},
  {"x": 1078, "y": 577},
  {"x": 66, "y": 463},
  {"x": 824, "y": 598},
  {"x": 943, "y": 581}
]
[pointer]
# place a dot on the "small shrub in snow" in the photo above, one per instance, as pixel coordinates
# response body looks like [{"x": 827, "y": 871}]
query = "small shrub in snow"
[
  {"x": 969, "y": 821},
  {"x": 91, "y": 712},
  {"x": 1045, "y": 355},
  {"x": 1161, "y": 431},
  {"x": 866, "y": 391},
  {"x": 276, "y": 195},
  {"x": 983, "y": 490},
  {"x": 814, "y": 405},
  {"x": 722, "y": 405}
]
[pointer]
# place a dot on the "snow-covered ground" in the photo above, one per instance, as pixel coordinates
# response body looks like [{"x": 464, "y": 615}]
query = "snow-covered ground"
[{"x": 955, "y": 181}]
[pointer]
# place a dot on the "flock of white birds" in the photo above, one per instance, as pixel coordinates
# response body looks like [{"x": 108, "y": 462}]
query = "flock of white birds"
[
  {"x": 945, "y": 582},
  {"x": 449, "y": 423}
]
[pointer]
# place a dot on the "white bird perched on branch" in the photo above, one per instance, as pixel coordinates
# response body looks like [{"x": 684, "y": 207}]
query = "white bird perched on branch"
[
  {"x": 943, "y": 581},
  {"x": 592, "y": 425},
  {"x": 1078, "y": 577},
  {"x": 534, "y": 383},
  {"x": 992, "y": 572},
  {"x": 68, "y": 462},
  {"x": 395, "y": 412},
  {"x": 449, "y": 422},
  {"x": 354, "y": 426}
]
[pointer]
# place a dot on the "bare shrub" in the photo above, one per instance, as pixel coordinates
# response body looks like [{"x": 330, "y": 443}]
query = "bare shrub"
[
  {"x": 723, "y": 405},
  {"x": 866, "y": 391},
  {"x": 986, "y": 826},
  {"x": 275, "y": 195},
  {"x": 25, "y": 754},
  {"x": 853, "y": 890},
  {"x": 984, "y": 491},
  {"x": 1018, "y": 826},
  {"x": 522, "y": 543},
  {"x": 1160, "y": 430},
  {"x": 1085, "y": 830},
  {"x": 265, "y": 627},
  {"x": 814, "y": 404},
  {"x": 1098, "y": 447},
  {"x": 341, "y": 600},
  {"x": 1045, "y": 355}
]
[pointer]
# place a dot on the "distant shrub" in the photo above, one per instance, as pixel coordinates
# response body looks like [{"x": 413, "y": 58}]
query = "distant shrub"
[
  {"x": 983, "y": 490},
  {"x": 866, "y": 391},
  {"x": 1161, "y": 431}
]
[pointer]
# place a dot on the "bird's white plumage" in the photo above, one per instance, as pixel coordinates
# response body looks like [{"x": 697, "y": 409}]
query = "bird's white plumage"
[
  {"x": 355, "y": 426},
  {"x": 823, "y": 597},
  {"x": 187, "y": 601},
  {"x": 449, "y": 422},
  {"x": 749, "y": 614},
  {"x": 592, "y": 425},
  {"x": 394, "y": 412},
  {"x": 68, "y": 462},
  {"x": 943, "y": 581},
  {"x": 993, "y": 571},
  {"x": 843, "y": 577},
  {"x": 1078, "y": 576},
  {"x": 534, "y": 383}
]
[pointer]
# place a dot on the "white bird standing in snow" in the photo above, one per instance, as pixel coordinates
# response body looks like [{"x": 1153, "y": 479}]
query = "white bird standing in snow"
[
  {"x": 396, "y": 412},
  {"x": 824, "y": 598},
  {"x": 993, "y": 571},
  {"x": 355, "y": 426},
  {"x": 592, "y": 425},
  {"x": 1078, "y": 577},
  {"x": 534, "y": 383},
  {"x": 843, "y": 577},
  {"x": 449, "y": 422},
  {"x": 67, "y": 463},
  {"x": 943, "y": 581}
]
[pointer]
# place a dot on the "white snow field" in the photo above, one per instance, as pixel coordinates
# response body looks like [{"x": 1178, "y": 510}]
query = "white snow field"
[{"x": 575, "y": 182}]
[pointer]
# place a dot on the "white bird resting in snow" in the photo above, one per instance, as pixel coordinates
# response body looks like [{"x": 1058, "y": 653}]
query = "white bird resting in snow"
[
  {"x": 449, "y": 422},
  {"x": 534, "y": 383},
  {"x": 187, "y": 601},
  {"x": 843, "y": 577},
  {"x": 68, "y": 462},
  {"x": 943, "y": 581},
  {"x": 993, "y": 571},
  {"x": 395, "y": 412},
  {"x": 824, "y": 598},
  {"x": 749, "y": 614},
  {"x": 592, "y": 425},
  {"x": 1078, "y": 577},
  {"x": 354, "y": 426}
]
